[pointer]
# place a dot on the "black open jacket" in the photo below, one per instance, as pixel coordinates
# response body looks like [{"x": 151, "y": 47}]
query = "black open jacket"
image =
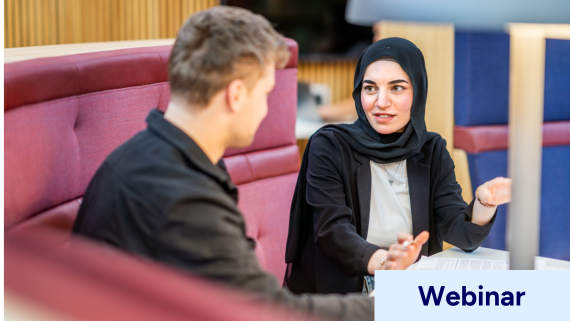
[{"x": 334, "y": 254}]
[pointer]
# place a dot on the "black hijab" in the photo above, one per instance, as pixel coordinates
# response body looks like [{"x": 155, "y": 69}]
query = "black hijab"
[{"x": 362, "y": 137}]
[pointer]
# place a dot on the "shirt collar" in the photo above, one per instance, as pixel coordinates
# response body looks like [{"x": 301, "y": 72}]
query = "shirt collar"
[{"x": 181, "y": 141}]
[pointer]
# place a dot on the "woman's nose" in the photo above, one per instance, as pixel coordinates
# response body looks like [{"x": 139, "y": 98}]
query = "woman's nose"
[{"x": 383, "y": 100}]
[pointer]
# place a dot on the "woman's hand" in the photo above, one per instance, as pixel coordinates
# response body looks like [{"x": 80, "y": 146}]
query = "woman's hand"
[
  {"x": 496, "y": 191},
  {"x": 401, "y": 257},
  {"x": 398, "y": 257}
]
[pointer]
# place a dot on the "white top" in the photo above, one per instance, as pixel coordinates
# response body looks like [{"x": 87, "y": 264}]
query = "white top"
[{"x": 390, "y": 210}]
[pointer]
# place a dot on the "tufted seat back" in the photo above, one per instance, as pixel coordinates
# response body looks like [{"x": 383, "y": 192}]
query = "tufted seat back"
[{"x": 64, "y": 115}]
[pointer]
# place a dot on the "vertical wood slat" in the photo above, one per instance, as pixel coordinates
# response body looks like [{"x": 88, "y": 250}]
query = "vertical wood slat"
[
  {"x": 62, "y": 21},
  {"x": 76, "y": 23},
  {"x": 177, "y": 17},
  {"x": 106, "y": 13},
  {"x": 46, "y": 19},
  {"x": 129, "y": 24},
  {"x": 17, "y": 24},
  {"x": 31, "y": 21},
  {"x": 91, "y": 19},
  {"x": 136, "y": 20},
  {"x": 36, "y": 22},
  {"x": 171, "y": 18},
  {"x": 163, "y": 18},
  {"x": 9, "y": 24},
  {"x": 153, "y": 14},
  {"x": 84, "y": 17},
  {"x": 25, "y": 24},
  {"x": 50, "y": 22}
]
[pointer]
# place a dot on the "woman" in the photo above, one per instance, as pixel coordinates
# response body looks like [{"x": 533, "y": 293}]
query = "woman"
[{"x": 362, "y": 184}]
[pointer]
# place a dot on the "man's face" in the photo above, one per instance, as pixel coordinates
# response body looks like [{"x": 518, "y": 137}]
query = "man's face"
[{"x": 254, "y": 109}]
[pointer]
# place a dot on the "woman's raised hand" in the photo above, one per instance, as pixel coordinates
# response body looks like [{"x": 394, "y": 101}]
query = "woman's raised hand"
[{"x": 496, "y": 191}]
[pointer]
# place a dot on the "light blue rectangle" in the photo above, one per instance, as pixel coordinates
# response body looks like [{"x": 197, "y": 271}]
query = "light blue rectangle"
[{"x": 398, "y": 297}]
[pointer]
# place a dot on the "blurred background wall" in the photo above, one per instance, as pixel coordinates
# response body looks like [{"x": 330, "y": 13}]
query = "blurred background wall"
[{"x": 53, "y": 22}]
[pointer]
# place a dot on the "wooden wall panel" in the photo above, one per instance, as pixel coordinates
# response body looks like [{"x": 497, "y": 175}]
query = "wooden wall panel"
[
  {"x": 51, "y": 22},
  {"x": 337, "y": 74}
]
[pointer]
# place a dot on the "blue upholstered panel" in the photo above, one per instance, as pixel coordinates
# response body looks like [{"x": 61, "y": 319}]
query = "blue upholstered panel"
[
  {"x": 555, "y": 204},
  {"x": 557, "y": 80},
  {"x": 481, "y": 78}
]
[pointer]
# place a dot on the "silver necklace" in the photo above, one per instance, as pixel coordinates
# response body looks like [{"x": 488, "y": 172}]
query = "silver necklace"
[{"x": 391, "y": 180}]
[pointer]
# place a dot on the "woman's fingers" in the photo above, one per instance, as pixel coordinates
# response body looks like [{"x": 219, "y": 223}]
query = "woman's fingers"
[
  {"x": 496, "y": 191},
  {"x": 422, "y": 238},
  {"x": 394, "y": 260},
  {"x": 401, "y": 255},
  {"x": 391, "y": 266}
]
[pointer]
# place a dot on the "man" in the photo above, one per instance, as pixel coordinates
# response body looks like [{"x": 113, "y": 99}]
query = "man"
[{"x": 165, "y": 193}]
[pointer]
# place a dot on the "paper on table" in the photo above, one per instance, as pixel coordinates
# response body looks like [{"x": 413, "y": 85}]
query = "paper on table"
[
  {"x": 541, "y": 263},
  {"x": 427, "y": 263}
]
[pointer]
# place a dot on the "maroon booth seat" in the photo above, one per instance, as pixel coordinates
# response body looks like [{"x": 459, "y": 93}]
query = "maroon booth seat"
[
  {"x": 64, "y": 115},
  {"x": 477, "y": 139},
  {"x": 84, "y": 285}
]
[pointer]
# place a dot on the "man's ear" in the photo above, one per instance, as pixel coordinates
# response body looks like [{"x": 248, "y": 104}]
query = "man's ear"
[{"x": 236, "y": 93}]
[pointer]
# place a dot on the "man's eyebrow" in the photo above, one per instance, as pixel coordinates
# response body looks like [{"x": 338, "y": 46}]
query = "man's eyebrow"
[
  {"x": 397, "y": 81},
  {"x": 369, "y": 82}
]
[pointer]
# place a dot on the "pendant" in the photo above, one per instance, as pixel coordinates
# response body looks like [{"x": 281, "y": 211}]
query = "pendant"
[{"x": 391, "y": 181}]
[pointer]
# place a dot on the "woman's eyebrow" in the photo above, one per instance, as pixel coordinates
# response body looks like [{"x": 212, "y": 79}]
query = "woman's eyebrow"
[
  {"x": 369, "y": 82},
  {"x": 396, "y": 81}
]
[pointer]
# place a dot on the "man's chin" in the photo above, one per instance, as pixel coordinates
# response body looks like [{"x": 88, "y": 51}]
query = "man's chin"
[{"x": 241, "y": 143}]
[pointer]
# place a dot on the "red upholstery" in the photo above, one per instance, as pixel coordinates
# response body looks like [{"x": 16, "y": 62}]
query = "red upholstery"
[
  {"x": 60, "y": 217},
  {"x": 64, "y": 115},
  {"x": 95, "y": 283},
  {"x": 263, "y": 201},
  {"x": 477, "y": 139},
  {"x": 46, "y": 79}
]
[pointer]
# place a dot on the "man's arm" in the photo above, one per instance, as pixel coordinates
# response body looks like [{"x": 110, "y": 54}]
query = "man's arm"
[{"x": 205, "y": 235}]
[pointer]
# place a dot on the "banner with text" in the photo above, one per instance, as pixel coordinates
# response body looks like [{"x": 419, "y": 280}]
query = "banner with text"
[{"x": 471, "y": 295}]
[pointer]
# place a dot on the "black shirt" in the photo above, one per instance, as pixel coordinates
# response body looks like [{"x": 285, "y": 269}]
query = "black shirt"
[{"x": 159, "y": 196}]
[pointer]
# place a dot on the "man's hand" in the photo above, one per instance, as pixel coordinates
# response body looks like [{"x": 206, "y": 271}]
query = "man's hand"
[{"x": 399, "y": 256}]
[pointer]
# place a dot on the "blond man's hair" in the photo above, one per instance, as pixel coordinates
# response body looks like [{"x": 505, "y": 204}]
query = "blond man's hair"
[{"x": 219, "y": 45}]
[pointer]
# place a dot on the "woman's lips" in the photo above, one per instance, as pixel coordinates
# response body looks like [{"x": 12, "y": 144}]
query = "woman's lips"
[{"x": 383, "y": 118}]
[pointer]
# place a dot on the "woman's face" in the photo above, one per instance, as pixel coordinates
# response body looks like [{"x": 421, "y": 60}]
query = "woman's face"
[{"x": 387, "y": 95}]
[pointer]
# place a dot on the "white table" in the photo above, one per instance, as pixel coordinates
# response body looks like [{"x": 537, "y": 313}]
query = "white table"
[{"x": 486, "y": 254}]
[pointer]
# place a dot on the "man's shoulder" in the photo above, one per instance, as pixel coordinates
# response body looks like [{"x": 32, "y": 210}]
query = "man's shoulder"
[
  {"x": 149, "y": 166},
  {"x": 136, "y": 150}
]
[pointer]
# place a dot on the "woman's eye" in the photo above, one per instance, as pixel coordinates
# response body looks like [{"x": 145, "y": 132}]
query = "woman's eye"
[
  {"x": 397, "y": 88},
  {"x": 369, "y": 89}
]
